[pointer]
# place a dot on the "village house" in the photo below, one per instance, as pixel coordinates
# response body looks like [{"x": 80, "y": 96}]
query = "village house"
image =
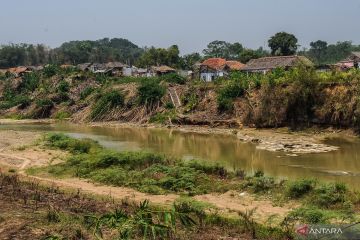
[
  {"x": 162, "y": 70},
  {"x": 110, "y": 68},
  {"x": 18, "y": 71},
  {"x": 218, "y": 67},
  {"x": 84, "y": 66},
  {"x": 267, "y": 64},
  {"x": 353, "y": 61}
]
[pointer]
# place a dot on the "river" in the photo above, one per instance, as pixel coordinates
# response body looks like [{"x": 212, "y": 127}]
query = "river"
[{"x": 342, "y": 165}]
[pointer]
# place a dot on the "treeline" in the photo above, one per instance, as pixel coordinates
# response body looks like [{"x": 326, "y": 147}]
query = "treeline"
[
  {"x": 321, "y": 52},
  {"x": 73, "y": 52},
  {"x": 118, "y": 49}
]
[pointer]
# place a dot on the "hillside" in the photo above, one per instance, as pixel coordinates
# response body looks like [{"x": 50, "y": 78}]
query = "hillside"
[{"x": 300, "y": 97}]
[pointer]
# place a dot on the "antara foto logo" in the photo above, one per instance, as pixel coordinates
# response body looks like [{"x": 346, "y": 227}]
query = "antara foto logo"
[{"x": 303, "y": 230}]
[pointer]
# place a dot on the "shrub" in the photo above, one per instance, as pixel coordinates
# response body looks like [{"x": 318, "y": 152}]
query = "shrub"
[
  {"x": 259, "y": 183},
  {"x": 169, "y": 105},
  {"x": 297, "y": 189},
  {"x": 150, "y": 92},
  {"x": 30, "y": 81},
  {"x": 63, "y": 87},
  {"x": 63, "y": 142},
  {"x": 86, "y": 92},
  {"x": 309, "y": 215},
  {"x": 173, "y": 78},
  {"x": 20, "y": 100},
  {"x": 330, "y": 194},
  {"x": 62, "y": 115},
  {"x": 50, "y": 70},
  {"x": 164, "y": 117},
  {"x": 209, "y": 168},
  {"x": 106, "y": 103},
  {"x": 227, "y": 94}
]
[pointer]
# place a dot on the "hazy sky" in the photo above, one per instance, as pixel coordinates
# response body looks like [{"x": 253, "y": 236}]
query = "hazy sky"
[{"x": 189, "y": 23}]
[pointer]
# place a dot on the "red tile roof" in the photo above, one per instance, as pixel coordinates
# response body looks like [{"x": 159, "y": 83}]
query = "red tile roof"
[
  {"x": 18, "y": 70},
  {"x": 235, "y": 65},
  {"x": 215, "y": 63},
  {"x": 220, "y": 64}
]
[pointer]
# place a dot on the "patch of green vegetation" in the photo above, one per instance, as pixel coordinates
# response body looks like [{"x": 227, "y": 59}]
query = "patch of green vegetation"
[
  {"x": 61, "y": 115},
  {"x": 147, "y": 172},
  {"x": 173, "y": 78},
  {"x": 86, "y": 92},
  {"x": 259, "y": 183},
  {"x": 309, "y": 215},
  {"x": 190, "y": 100},
  {"x": 64, "y": 142},
  {"x": 150, "y": 92},
  {"x": 51, "y": 70},
  {"x": 30, "y": 82},
  {"x": 297, "y": 189},
  {"x": 329, "y": 195},
  {"x": 106, "y": 103},
  {"x": 21, "y": 101},
  {"x": 164, "y": 117},
  {"x": 63, "y": 87},
  {"x": 231, "y": 90}
]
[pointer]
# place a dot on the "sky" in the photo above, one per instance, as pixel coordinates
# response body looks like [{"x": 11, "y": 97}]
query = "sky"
[{"x": 191, "y": 24}]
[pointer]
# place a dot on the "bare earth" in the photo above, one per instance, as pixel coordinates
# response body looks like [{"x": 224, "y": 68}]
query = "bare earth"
[{"x": 17, "y": 151}]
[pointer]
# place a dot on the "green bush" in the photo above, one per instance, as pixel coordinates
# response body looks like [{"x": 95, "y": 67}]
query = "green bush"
[
  {"x": 232, "y": 90},
  {"x": 63, "y": 87},
  {"x": 150, "y": 92},
  {"x": 30, "y": 81},
  {"x": 260, "y": 183},
  {"x": 20, "y": 100},
  {"x": 297, "y": 189},
  {"x": 51, "y": 70},
  {"x": 309, "y": 215},
  {"x": 63, "y": 142},
  {"x": 106, "y": 103},
  {"x": 62, "y": 115},
  {"x": 164, "y": 117},
  {"x": 173, "y": 78},
  {"x": 169, "y": 105},
  {"x": 86, "y": 92},
  {"x": 328, "y": 195}
]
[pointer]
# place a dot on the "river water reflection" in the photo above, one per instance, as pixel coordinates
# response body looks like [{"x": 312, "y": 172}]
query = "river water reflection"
[{"x": 342, "y": 165}]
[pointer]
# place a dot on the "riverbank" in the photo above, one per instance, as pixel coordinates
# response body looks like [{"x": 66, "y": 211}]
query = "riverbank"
[
  {"x": 20, "y": 157},
  {"x": 268, "y": 198}
]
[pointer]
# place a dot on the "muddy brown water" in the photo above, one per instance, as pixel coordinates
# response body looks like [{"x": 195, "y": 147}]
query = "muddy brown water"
[{"x": 341, "y": 166}]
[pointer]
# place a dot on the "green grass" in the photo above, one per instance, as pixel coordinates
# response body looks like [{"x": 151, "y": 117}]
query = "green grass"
[{"x": 144, "y": 171}]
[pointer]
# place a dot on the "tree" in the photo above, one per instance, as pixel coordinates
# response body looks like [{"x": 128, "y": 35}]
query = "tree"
[
  {"x": 318, "y": 50},
  {"x": 189, "y": 60},
  {"x": 222, "y": 49},
  {"x": 283, "y": 44},
  {"x": 160, "y": 56},
  {"x": 248, "y": 54}
]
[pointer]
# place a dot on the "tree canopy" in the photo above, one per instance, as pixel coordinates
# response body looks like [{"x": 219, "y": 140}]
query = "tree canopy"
[
  {"x": 160, "y": 56},
  {"x": 321, "y": 52},
  {"x": 283, "y": 44}
]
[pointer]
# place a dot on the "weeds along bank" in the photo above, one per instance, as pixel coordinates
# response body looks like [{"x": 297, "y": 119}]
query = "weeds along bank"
[
  {"x": 156, "y": 174},
  {"x": 300, "y": 96}
]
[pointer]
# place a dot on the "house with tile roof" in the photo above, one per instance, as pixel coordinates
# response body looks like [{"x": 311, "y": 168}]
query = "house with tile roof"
[
  {"x": 213, "y": 68},
  {"x": 267, "y": 64},
  {"x": 353, "y": 61}
]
